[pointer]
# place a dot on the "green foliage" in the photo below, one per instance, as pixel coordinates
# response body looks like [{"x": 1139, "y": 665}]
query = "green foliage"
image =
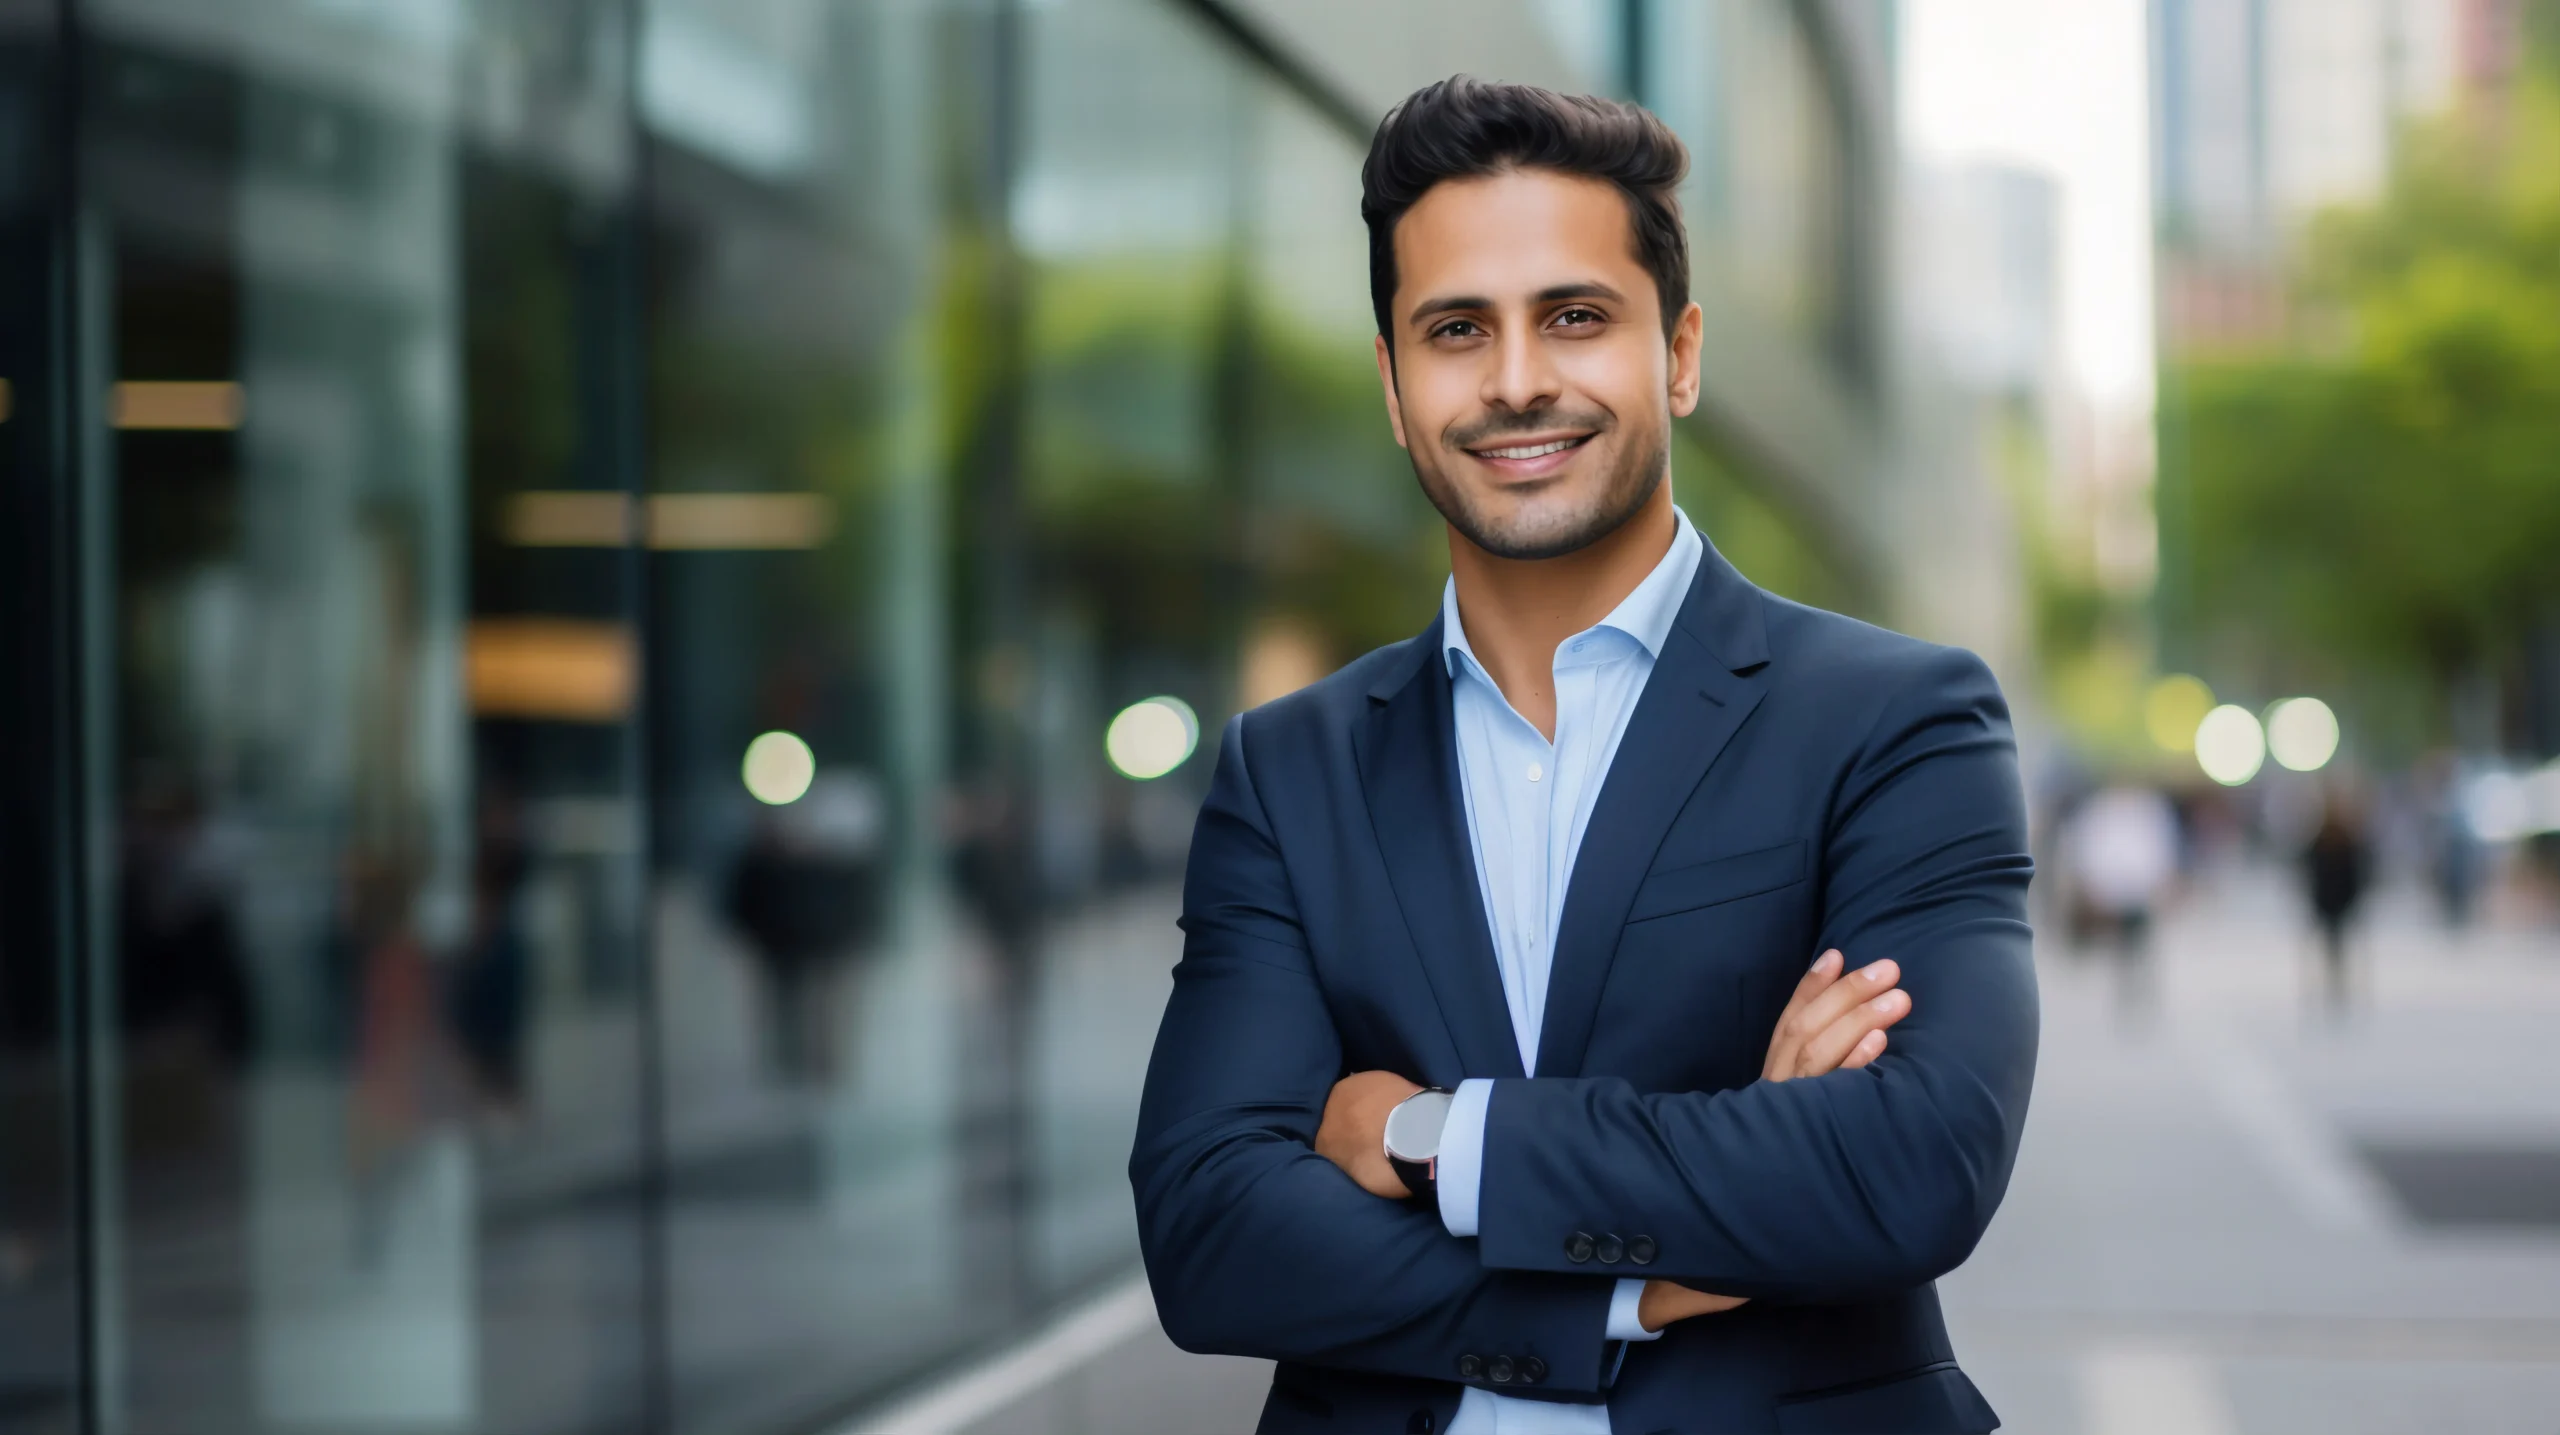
[{"x": 2382, "y": 500}]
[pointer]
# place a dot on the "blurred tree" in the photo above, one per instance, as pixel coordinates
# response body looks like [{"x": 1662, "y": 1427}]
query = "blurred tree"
[{"x": 2379, "y": 497}]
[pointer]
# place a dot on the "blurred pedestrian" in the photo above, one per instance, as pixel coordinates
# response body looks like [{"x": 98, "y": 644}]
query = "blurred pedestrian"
[
  {"x": 2121, "y": 852},
  {"x": 489, "y": 985},
  {"x": 2336, "y": 867},
  {"x": 806, "y": 893}
]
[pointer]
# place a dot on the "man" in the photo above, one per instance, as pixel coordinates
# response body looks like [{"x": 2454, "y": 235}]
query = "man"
[{"x": 1565, "y": 857}]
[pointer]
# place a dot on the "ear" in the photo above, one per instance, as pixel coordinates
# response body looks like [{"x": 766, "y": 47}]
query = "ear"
[
  {"x": 1686, "y": 338},
  {"x": 1395, "y": 405}
]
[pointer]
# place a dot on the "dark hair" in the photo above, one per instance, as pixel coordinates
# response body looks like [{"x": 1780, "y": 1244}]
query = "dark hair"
[{"x": 1462, "y": 126}]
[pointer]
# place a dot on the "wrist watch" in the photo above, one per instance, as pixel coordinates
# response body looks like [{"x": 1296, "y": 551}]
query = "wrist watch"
[{"x": 1413, "y": 1142}]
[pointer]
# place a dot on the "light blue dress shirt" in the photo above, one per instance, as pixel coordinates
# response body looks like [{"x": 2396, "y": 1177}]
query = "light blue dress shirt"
[{"x": 1528, "y": 801}]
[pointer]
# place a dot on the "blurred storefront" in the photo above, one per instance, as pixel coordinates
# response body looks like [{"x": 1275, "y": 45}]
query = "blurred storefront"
[{"x": 581, "y": 838}]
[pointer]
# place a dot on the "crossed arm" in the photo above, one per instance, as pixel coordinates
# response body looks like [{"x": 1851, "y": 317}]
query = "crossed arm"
[
  {"x": 1836, "y": 1020},
  {"x": 1875, "y": 1176}
]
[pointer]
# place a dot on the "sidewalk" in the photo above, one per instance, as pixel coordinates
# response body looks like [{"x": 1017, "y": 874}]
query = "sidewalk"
[{"x": 2197, "y": 1239}]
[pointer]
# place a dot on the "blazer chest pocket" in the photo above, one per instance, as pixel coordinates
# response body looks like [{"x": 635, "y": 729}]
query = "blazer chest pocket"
[{"x": 1721, "y": 879}]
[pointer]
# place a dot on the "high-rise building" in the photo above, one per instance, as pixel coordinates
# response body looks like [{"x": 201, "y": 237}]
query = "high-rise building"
[{"x": 2267, "y": 111}]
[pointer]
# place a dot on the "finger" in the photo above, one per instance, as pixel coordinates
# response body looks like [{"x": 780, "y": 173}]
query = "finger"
[
  {"x": 1789, "y": 1033},
  {"x": 1864, "y": 984},
  {"x": 1833, "y": 1043},
  {"x": 1869, "y": 1047},
  {"x": 1824, "y": 971}
]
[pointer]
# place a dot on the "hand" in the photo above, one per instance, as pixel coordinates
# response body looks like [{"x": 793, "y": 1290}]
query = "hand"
[
  {"x": 1664, "y": 1302},
  {"x": 1830, "y": 1024},
  {"x": 1835, "y": 1022},
  {"x": 1354, "y": 1133}
]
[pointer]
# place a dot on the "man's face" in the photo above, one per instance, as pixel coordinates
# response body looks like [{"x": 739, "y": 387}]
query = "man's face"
[{"x": 1529, "y": 378}]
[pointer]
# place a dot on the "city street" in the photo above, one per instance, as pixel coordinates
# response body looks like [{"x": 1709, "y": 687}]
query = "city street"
[{"x": 2201, "y": 1238}]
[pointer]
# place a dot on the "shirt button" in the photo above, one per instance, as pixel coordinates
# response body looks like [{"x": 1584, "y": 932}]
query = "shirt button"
[{"x": 1536, "y": 771}]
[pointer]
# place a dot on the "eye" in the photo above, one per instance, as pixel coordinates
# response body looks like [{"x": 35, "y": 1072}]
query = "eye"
[
  {"x": 1457, "y": 329},
  {"x": 1580, "y": 316}
]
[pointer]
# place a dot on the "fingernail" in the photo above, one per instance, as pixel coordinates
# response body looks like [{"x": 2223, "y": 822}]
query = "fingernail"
[
  {"x": 1887, "y": 1002},
  {"x": 1874, "y": 973}
]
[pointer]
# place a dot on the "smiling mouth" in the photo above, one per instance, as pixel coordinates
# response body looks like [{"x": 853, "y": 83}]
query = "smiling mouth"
[{"x": 1533, "y": 450}]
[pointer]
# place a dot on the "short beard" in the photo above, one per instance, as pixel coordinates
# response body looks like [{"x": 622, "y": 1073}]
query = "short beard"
[{"x": 1629, "y": 488}]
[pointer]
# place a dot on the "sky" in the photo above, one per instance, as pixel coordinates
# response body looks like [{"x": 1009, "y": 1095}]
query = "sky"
[{"x": 2058, "y": 86}]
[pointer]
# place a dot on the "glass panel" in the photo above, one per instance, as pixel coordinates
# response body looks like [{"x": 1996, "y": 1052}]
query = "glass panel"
[
  {"x": 1767, "y": 187},
  {"x": 39, "y": 1255},
  {"x": 825, "y": 348},
  {"x": 1127, "y": 208},
  {"x": 369, "y": 1117},
  {"x": 1343, "y": 551}
]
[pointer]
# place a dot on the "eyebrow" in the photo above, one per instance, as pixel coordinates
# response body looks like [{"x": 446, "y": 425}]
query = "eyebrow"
[{"x": 1553, "y": 293}]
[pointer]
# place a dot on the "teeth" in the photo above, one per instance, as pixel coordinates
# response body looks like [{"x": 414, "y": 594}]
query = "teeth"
[{"x": 1538, "y": 451}]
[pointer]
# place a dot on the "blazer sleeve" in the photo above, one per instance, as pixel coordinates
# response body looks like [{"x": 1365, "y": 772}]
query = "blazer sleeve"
[
  {"x": 1856, "y": 1182},
  {"x": 1254, "y": 1244}
]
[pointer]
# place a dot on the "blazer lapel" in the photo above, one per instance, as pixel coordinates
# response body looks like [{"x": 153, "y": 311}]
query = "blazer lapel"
[
  {"x": 1705, "y": 683},
  {"x": 1408, "y": 760}
]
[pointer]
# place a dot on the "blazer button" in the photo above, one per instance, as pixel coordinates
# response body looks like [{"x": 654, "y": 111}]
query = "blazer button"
[
  {"x": 1500, "y": 1369},
  {"x": 1642, "y": 1250},
  {"x": 1471, "y": 1367},
  {"x": 1611, "y": 1249},
  {"x": 1577, "y": 1247},
  {"x": 1421, "y": 1422},
  {"x": 1532, "y": 1369}
]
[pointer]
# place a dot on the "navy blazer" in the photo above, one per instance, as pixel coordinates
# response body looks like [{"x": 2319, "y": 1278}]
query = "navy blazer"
[{"x": 1790, "y": 781}]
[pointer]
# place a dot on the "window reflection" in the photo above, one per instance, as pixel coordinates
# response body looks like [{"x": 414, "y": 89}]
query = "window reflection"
[{"x": 369, "y": 1116}]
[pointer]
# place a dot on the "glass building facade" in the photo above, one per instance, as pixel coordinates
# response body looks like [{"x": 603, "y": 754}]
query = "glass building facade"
[{"x": 584, "y": 581}]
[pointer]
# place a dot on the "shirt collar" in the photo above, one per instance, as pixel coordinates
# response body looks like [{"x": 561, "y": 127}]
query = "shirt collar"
[{"x": 1645, "y": 614}]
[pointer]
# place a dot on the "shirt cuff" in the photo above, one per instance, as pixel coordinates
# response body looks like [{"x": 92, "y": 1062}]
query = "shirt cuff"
[
  {"x": 1624, "y": 1302},
  {"x": 1461, "y": 1165}
]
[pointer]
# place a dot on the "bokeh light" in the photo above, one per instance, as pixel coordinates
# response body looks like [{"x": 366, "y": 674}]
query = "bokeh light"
[
  {"x": 2175, "y": 705},
  {"x": 1151, "y": 738},
  {"x": 2230, "y": 746},
  {"x": 779, "y": 768},
  {"x": 2302, "y": 734}
]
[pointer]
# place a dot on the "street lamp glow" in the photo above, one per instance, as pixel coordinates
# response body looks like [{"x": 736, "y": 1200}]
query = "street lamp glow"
[
  {"x": 1151, "y": 738},
  {"x": 779, "y": 768},
  {"x": 2302, "y": 734},
  {"x": 2230, "y": 746},
  {"x": 2172, "y": 709}
]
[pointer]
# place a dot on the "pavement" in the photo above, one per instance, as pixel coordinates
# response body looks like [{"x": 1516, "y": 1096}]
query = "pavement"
[{"x": 2237, "y": 1210}]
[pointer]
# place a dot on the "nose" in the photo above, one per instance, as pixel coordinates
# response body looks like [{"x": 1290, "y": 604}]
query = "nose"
[{"x": 1522, "y": 376}]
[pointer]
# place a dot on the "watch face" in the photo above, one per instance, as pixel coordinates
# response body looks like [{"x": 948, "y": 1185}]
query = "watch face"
[{"x": 1413, "y": 1128}]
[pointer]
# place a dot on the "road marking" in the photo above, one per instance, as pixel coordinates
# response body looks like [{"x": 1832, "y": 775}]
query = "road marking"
[
  {"x": 979, "y": 1391},
  {"x": 2333, "y": 1189},
  {"x": 2131, "y": 1390}
]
